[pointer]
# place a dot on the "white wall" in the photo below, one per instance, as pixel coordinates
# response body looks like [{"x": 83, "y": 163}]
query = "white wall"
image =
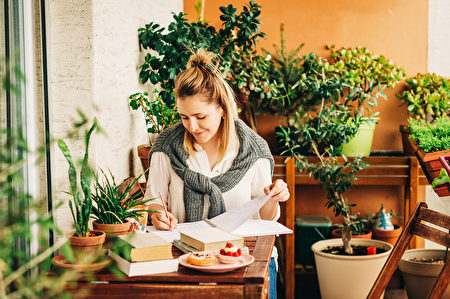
[
  {"x": 93, "y": 60},
  {"x": 439, "y": 63}
]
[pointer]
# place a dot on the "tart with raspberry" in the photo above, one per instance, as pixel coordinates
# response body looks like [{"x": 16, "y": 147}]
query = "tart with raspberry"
[
  {"x": 201, "y": 258},
  {"x": 230, "y": 254}
]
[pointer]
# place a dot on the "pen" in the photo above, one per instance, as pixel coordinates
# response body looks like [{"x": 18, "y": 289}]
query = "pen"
[{"x": 165, "y": 211}]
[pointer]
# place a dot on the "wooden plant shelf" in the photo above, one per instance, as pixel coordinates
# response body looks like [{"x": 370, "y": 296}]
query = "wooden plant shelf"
[{"x": 382, "y": 171}]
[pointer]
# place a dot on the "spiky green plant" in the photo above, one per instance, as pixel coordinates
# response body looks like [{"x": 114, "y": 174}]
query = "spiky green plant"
[
  {"x": 113, "y": 204},
  {"x": 81, "y": 203}
]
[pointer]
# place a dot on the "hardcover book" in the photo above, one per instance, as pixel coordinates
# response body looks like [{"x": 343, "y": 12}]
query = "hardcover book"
[
  {"x": 212, "y": 238},
  {"x": 141, "y": 247},
  {"x": 144, "y": 268}
]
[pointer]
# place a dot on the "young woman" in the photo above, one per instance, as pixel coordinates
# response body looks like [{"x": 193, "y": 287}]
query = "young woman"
[{"x": 211, "y": 161}]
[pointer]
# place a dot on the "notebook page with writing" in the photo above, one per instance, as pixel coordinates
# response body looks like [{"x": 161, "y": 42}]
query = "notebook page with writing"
[{"x": 232, "y": 219}]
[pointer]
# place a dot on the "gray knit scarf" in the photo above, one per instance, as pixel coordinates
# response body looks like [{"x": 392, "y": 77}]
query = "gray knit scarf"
[{"x": 196, "y": 185}]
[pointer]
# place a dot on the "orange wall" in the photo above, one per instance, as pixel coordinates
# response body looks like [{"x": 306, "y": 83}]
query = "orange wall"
[{"x": 396, "y": 29}]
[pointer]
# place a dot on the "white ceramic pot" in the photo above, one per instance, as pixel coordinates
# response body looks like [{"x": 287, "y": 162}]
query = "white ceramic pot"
[
  {"x": 348, "y": 277},
  {"x": 420, "y": 277}
]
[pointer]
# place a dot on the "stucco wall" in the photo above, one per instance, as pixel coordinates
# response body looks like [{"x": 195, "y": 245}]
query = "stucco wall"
[
  {"x": 439, "y": 63},
  {"x": 93, "y": 59}
]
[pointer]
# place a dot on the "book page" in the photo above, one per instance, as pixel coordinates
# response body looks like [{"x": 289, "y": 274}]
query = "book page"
[
  {"x": 254, "y": 227},
  {"x": 232, "y": 219}
]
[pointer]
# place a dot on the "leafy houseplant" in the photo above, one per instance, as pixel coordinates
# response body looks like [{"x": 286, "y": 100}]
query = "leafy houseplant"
[
  {"x": 430, "y": 142},
  {"x": 235, "y": 42},
  {"x": 158, "y": 115},
  {"x": 83, "y": 240},
  {"x": 427, "y": 96},
  {"x": 367, "y": 75},
  {"x": 115, "y": 204},
  {"x": 286, "y": 68},
  {"x": 322, "y": 129}
]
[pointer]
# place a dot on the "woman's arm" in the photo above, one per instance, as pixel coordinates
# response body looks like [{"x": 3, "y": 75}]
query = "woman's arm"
[
  {"x": 158, "y": 186},
  {"x": 262, "y": 184}
]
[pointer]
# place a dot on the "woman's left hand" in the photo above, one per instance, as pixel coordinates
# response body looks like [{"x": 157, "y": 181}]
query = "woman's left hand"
[{"x": 281, "y": 190}]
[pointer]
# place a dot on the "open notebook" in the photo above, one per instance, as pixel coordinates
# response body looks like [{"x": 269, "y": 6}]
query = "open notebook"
[{"x": 236, "y": 221}]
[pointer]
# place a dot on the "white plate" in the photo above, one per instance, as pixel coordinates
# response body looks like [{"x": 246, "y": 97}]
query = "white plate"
[{"x": 217, "y": 266}]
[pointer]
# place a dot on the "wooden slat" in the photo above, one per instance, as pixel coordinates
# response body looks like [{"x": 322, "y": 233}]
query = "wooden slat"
[
  {"x": 434, "y": 217},
  {"x": 432, "y": 234},
  {"x": 142, "y": 290},
  {"x": 290, "y": 238},
  {"x": 255, "y": 272},
  {"x": 442, "y": 282}
]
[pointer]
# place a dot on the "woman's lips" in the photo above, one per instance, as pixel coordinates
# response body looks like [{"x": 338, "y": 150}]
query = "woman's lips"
[{"x": 198, "y": 134}]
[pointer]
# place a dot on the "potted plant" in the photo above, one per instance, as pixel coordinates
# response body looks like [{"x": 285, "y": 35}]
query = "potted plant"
[
  {"x": 426, "y": 97},
  {"x": 115, "y": 205},
  {"x": 169, "y": 50},
  {"x": 322, "y": 129},
  {"x": 84, "y": 242},
  {"x": 443, "y": 178},
  {"x": 431, "y": 141},
  {"x": 367, "y": 75},
  {"x": 158, "y": 115},
  {"x": 382, "y": 226},
  {"x": 420, "y": 268}
]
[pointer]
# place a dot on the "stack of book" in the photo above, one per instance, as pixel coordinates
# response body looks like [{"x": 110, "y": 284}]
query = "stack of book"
[{"x": 142, "y": 254}]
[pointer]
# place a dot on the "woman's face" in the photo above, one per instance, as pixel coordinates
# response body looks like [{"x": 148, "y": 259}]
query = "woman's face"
[{"x": 200, "y": 118}]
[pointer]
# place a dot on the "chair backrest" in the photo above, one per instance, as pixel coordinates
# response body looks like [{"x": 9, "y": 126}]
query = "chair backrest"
[{"x": 418, "y": 224}]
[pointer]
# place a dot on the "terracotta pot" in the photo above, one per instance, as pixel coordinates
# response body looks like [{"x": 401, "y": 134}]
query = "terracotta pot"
[
  {"x": 336, "y": 233},
  {"x": 388, "y": 236},
  {"x": 112, "y": 230},
  {"x": 431, "y": 166},
  {"x": 85, "y": 246},
  {"x": 408, "y": 150},
  {"x": 143, "y": 151}
]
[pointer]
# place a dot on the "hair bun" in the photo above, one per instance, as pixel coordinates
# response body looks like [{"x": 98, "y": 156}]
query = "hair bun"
[{"x": 201, "y": 58}]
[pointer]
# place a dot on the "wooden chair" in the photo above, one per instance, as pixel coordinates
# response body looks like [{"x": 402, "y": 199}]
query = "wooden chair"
[{"x": 416, "y": 226}]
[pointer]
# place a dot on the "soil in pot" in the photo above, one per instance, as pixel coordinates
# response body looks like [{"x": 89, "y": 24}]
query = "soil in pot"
[
  {"x": 358, "y": 250},
  {"x": 366, "y": 234}
]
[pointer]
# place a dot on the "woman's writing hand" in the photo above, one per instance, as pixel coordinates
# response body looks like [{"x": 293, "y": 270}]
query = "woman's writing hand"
[
  {"x": 281, "y": 190},
  {"x": 161, "y": 222}
]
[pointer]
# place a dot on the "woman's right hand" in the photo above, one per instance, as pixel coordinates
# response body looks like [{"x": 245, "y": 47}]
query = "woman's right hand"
[{"x": 161, "y": 222}]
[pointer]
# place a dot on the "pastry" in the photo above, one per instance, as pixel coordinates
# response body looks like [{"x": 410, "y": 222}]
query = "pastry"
[{"x": 201, "y": 258}]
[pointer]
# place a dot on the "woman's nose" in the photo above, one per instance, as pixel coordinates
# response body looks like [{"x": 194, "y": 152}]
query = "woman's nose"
[{"x": 193, "y": 125}]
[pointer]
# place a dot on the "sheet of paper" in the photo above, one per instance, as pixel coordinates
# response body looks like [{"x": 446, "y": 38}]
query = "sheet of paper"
[
  {"x": 232, "y": 219},
  {"x": 254, "y": 227}
]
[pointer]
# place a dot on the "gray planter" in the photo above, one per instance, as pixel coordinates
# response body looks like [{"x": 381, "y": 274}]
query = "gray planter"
[{"x": 420, "y": 277}]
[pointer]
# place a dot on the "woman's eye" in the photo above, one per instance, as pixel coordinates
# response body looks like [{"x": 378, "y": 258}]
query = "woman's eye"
[
  {"x": 201, "y": 117},
  {"x": 184, "y": 118}
]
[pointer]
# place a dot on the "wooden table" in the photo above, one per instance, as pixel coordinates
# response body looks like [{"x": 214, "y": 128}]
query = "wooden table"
[{"x": 248, "y": 282}]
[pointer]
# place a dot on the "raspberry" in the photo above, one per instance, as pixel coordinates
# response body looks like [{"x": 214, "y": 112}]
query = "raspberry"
[
  {"x": 239, "y": 252},
  {"x": 229, "y": 245},
  {"x": 222, "y": 251},
  {"x": 229, "y": 253},
  {"x": 235, "y": 254}
]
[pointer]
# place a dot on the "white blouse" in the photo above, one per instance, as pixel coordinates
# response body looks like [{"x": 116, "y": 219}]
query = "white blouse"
[{"x": 163, "y": 179}]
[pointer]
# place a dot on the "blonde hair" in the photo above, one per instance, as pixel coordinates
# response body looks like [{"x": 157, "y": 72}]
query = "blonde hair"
[{"x": 201, "y": 77}]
